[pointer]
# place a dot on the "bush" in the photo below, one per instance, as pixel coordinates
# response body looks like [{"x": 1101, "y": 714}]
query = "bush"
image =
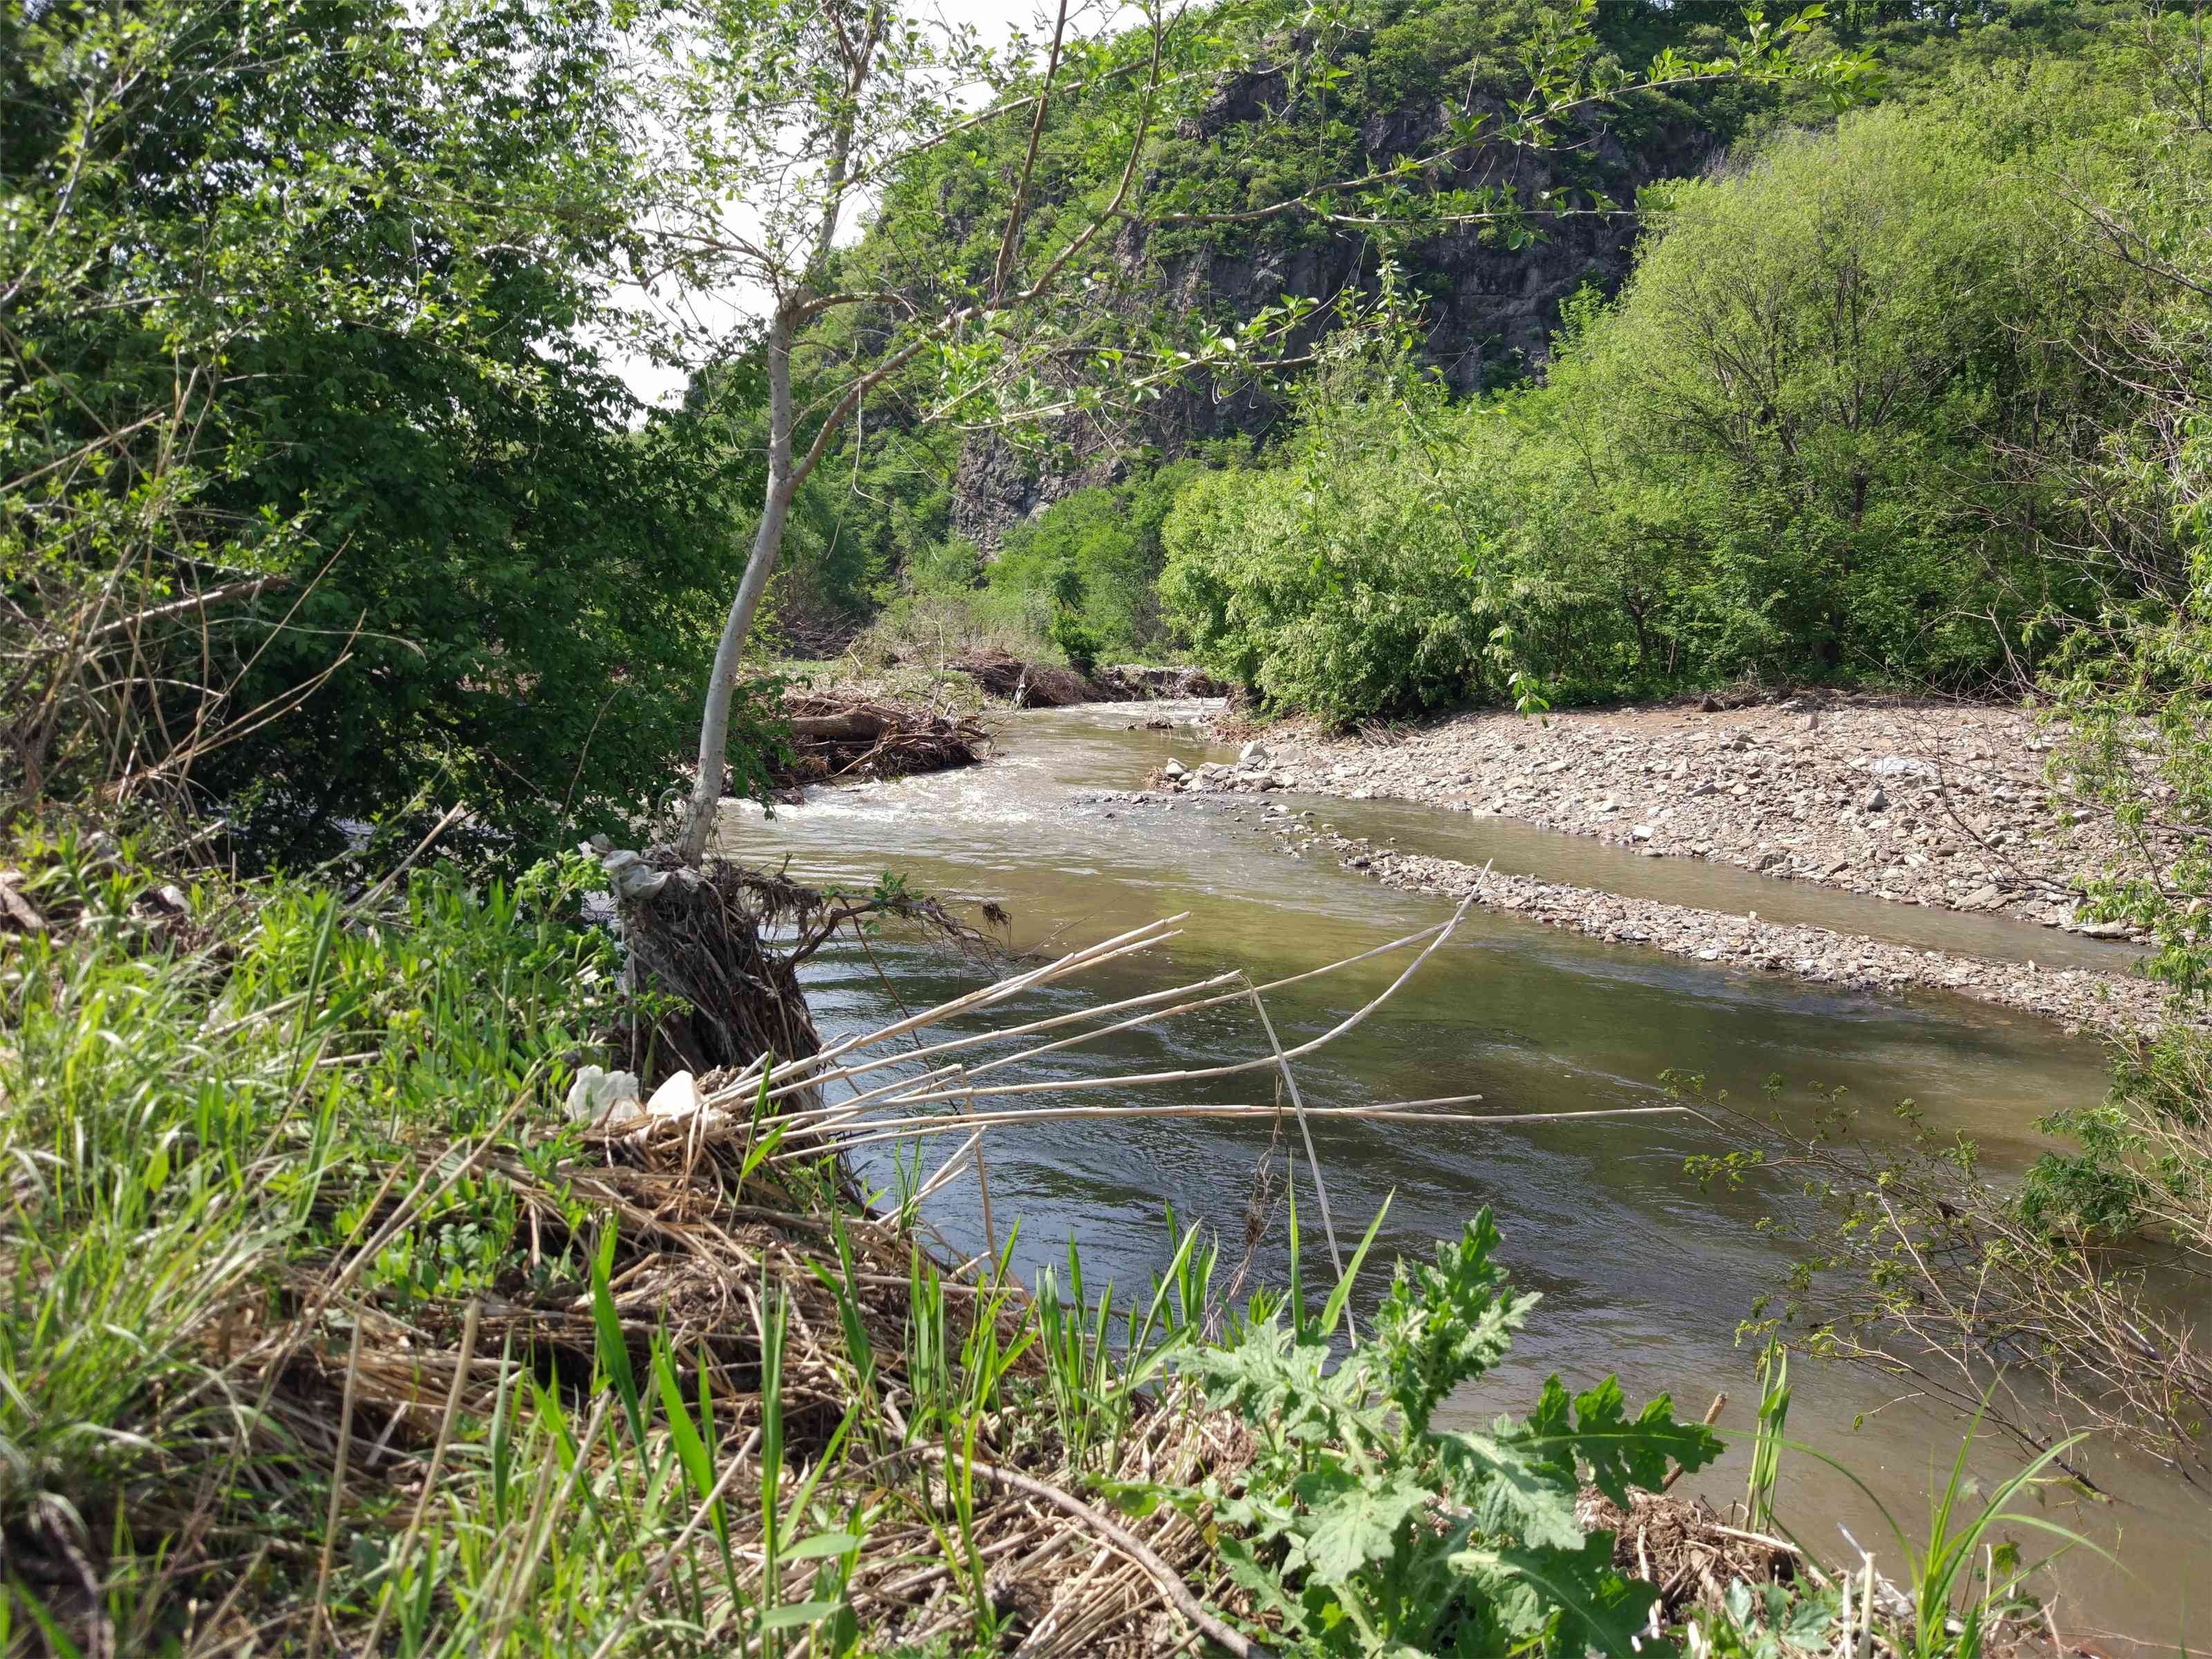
[
  {"x": 1098, "y": 553},
  {"x": 1795, "y": 449},
  {"x": 1075, "y": 641},
  {"x": 1347, "y": 578}
]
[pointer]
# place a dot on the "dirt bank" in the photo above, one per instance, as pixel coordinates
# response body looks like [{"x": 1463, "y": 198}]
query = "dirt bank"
[
  {"x": 1048, "y": 685},
  {"x": 1926, "y": 804}
]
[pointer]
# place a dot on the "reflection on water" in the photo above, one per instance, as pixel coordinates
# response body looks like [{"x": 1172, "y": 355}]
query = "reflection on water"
[{"x": 1643, "y": 1273}]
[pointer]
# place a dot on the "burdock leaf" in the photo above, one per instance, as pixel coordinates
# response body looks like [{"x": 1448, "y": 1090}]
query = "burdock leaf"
[
  {"x": 1620, "y": 1452},
  {"x": 1599, "y": 1606},
  {"x": 1354, "y": 1522},
  {"x": 1514, "y": 1490}
]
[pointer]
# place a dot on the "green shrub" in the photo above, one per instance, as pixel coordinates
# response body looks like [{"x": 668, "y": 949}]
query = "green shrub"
[
  {"x": 1075, "y": 641},
  {"x": 1347, "y": 578}
]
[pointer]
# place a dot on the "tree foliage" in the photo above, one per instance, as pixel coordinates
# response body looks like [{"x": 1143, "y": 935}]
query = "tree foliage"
[
  {"x": 1816, "y": 437},
  {"x": 320, "y": 493}
]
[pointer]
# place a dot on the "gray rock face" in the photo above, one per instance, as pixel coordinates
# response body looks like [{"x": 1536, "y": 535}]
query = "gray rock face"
[{"x": 1488, "y": 310}]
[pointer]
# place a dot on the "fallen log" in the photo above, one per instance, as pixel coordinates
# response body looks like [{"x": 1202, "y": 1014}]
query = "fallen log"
[
  {"x": 850, "y": 726},
  {"x": 834, "y": 739}
]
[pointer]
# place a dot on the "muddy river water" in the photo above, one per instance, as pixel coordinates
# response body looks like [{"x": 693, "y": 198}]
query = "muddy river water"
[{"x": 1644, "y": 1273}]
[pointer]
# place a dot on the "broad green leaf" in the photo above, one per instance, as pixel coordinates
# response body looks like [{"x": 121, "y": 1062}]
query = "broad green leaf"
[
  {"x": 1600, "y": 1608},
  {"x": 1355, "y": 1523},
  {"x": 1514, "y": 1490}
]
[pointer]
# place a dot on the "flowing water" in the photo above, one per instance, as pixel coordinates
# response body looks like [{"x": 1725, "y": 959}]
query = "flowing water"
[{"x": 1644, "y": 1273}]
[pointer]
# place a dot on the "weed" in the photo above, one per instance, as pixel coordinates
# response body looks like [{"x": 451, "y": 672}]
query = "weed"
[{"x": 1363, "y": 1528}]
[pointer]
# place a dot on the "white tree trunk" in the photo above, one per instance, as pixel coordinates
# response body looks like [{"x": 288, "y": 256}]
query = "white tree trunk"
[{"x": 767, "y": 547}]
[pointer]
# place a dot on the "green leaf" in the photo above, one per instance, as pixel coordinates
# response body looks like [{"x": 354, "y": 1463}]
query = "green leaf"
[
  {"x": 1598, "y": 1605},
  {"x": 1353, "y": 1520},
  {"x": 1621, "y": 1453},
  {"x": 1515, "y": 1490},
  {"x": 1443, "y": 1325},
  {"x": 614, "y": 1352},
  {"x": 797, "y": 1613},
  {"x": 821, "y": 1544}
]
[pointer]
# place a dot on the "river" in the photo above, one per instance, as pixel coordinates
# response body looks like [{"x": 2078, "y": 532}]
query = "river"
[{"x": 1644, "y": 1273}]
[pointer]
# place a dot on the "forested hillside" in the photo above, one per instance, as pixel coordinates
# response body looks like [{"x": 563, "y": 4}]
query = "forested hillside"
[{"x": 1487, "y": 269}]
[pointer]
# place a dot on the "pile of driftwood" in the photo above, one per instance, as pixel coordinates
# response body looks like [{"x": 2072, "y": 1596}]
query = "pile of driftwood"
[
  {"x": 845, "y": 739},
  {"x": 1041, "y": 685}
]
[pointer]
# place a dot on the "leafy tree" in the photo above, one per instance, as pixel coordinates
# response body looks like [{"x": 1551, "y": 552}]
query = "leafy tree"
[
  {"x": 1927, "y": 1265},
  {"x": 1098, "y": 554},
  {"x": 318, "y": 495}
]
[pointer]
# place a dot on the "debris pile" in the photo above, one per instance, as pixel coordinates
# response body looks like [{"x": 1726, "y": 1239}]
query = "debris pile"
[{"x": 836, "y": 739}]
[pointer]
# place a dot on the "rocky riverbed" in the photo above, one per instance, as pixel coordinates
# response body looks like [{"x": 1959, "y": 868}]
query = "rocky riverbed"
[
  {"x": 1924, "y": 804},
  {"x": 2080, "y": 998},
  {"x": 1937, "y": 805}
]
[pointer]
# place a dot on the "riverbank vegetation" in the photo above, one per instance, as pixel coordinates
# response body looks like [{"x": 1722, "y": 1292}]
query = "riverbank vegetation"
[
  {"x": 334, "y": 1330},
  {"x": 357, "y": 1302},
  {"x": 1860, "y": 416}
]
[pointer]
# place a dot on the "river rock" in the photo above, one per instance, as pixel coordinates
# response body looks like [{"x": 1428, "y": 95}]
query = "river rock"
[
  {"x": 1901, "y": 766},
  {"x": 1253, "y": 754}
]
